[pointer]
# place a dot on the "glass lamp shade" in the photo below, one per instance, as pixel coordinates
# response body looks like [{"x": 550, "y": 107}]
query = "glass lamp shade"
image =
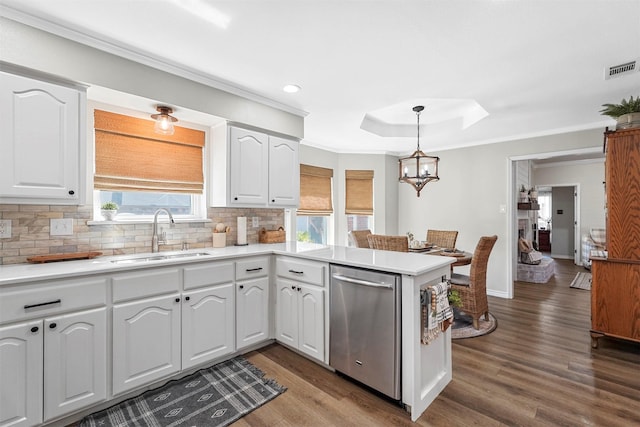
[
  {"x": 164, "y": 125},
  {"x": 418, "y": 169},
  {"x": 164, "y": 120}
]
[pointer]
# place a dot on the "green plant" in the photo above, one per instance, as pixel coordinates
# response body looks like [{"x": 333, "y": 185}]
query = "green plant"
[
  {"x": 109, "y": 206},
  {"x": 304, "y": 236},
  {"x": 523, "y": 189},
  {"x": 454, "y": 298},
  {"x": 625, "y": 107}
]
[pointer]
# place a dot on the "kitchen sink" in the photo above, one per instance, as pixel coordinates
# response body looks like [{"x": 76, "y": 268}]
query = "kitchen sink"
[{"x": 158, "y": 257}]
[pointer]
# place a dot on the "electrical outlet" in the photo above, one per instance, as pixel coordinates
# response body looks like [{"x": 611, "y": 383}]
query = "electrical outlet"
[
  {"x": 5, "y": 228},
  {"x": 61, "y": 227},
  {"x": 255, "y": 221}
]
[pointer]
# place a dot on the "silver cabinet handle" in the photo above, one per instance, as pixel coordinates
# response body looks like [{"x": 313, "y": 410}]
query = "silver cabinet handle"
[{"x": 362, "y": 282}]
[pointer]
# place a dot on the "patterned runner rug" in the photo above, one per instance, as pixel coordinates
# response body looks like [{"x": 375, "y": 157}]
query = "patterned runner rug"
[
  {"x": 215, "y": 396},
  {"x": 582, "y": 281}
]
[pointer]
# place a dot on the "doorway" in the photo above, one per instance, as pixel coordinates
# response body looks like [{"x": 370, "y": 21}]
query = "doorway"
[
  {"x": 514, "y": 222},
  {"x": 558, "y": 221}
]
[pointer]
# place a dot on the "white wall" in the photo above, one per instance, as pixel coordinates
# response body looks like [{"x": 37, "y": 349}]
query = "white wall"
[
  {"x": 474, "y": 183},
  {"x": 385, "y": 195}
]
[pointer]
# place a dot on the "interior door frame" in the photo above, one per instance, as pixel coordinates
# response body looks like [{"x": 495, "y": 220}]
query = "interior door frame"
[
  {"x": 576, "y": 219},
  {"x": 512, "y": 212}
]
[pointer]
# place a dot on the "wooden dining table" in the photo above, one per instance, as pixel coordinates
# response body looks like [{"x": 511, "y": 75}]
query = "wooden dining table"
[{"x": 461, "y": 257}]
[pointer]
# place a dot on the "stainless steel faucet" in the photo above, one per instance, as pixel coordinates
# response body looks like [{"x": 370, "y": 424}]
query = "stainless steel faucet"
[{"x": 154, "y": 238}]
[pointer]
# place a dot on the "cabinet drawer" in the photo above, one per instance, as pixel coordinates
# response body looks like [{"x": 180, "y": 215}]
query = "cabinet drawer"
[
  {"x": 145, "y": 283},
  {"x": 299, "y": 270},
  {"x": 48, "y": 298},
  {"x": 252, "y": 267},
  {"x": 211, "y": 274}
]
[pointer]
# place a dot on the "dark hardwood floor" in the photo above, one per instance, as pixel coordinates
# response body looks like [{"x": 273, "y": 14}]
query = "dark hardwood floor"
[{"x": 537, "y": 368}]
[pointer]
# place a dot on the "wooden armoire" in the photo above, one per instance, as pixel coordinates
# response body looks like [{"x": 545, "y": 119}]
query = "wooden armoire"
[{"x": 615, "y": 287}]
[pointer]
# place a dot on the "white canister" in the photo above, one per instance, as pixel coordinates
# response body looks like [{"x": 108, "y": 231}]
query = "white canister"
[{"x": 219, "y": 240}]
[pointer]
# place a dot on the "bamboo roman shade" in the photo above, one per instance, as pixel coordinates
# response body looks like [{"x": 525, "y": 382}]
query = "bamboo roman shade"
[
  {"x": 130, "y": 156},
  {"x": 315, "y": 191},
  {"x": 359, "y": 192}
]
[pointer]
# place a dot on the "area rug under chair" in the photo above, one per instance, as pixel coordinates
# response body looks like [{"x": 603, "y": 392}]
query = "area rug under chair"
[
  {"x": 582, "y": 281},
  {"x": 215, "y": 396},
  {"x": 462, "y": 326}
]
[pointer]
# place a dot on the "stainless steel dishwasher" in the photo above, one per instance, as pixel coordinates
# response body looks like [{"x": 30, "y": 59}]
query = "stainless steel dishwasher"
[{"x": 365, "y": 340}]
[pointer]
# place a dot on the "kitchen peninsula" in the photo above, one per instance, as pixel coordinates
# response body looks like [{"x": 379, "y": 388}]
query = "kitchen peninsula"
[{"x": 106, "y": 300}]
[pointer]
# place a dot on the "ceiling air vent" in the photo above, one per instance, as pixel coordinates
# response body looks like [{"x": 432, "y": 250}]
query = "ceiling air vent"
[{"x": 621, "y": 70}]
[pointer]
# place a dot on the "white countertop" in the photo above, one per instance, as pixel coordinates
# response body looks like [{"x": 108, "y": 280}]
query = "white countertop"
[{"x": 411, "y": 264}]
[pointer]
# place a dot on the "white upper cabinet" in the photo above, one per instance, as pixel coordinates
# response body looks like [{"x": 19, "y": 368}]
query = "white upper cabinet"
[
  {"x": 284, "y": 172},
  {"x": 253, "y": 169},
  {"x": 40, "y": 140},
  {"x": 249, "y": 165}
]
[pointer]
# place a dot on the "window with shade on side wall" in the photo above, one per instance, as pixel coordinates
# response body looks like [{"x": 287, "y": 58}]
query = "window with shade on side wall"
[
  {"x": 316, "y": 204},
  {"x": 359, "y": 199},
  {"x": 142, "y": 171}
]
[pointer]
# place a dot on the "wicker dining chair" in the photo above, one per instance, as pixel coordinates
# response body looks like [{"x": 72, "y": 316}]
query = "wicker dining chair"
[
  {"x": 473, "y": 288},
  {"x": 442, "y": 238},
  {"x": 388, "y": 243},
  {"x": 358, "y": 238}
]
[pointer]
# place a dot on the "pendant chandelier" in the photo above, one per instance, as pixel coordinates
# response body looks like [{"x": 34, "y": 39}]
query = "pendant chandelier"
[{"x": 418, "y": 169}]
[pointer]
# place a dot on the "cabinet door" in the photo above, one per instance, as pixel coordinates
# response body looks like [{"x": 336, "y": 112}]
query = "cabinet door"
[
  {"x": 39, "y": 138},
  {"x": 311, "y": 321},
  {"x": 284, "y": 172},
  {"x": 252, "y": 311},
  {"x": 249, "y": 167},
  {"x": 287, "y": 312},
  {"x": 146, "y": 341},
  {"x": 208, "y": 320},
  {"x": 75, "y": 364},
  {"x": 21, "y": 373}
]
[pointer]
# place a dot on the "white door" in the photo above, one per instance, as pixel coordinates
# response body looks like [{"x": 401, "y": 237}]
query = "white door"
[
  {"x": 311, "y": 321},
  {"x": 39, "y": 139},
  {"x": 21, "y": 374},
  {"x": 287, "y": 312},
  {"x": 75, "y": 363},
  {"x": 146, "y": 341},
  {"x": 249, "y": 167},
  {"x": 284, "y": 172},
  {"x": 252, "y": 311},
  {"x": 208, "y": 324}
]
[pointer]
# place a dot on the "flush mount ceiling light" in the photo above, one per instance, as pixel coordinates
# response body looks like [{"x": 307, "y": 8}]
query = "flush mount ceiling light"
[
  {"x": 291, "y": 88},
  {"x": 418, "y": 169},
  {"x": 164, "y": 121}
]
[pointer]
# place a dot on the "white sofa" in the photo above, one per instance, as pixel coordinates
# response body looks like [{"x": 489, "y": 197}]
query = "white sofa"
[{"x": 595, "y": 240}]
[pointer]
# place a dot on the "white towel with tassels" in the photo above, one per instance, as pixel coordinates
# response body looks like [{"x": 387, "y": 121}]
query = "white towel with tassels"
[{"x": 435, "y": 310}]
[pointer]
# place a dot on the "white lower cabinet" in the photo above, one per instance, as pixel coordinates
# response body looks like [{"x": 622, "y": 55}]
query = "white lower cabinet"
[
  {"x": 146, "y": 341},
  {"x": 300, "y": 306},
  {"x": 252, "y": 301},
  {"x": 53, "y": 349},
  {"x": 208, "y": 317},
  {"x": 252, "y": 312},
  {"x": 21, "y": 353},
  {"x": 75, "y": 361}
]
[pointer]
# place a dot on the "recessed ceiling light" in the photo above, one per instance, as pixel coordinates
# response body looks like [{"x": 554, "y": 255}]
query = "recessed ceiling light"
[{"x": 291, "y": 88}]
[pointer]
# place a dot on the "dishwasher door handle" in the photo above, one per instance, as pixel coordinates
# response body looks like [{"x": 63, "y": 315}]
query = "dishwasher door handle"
[{"x": 362, "y": 282}]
